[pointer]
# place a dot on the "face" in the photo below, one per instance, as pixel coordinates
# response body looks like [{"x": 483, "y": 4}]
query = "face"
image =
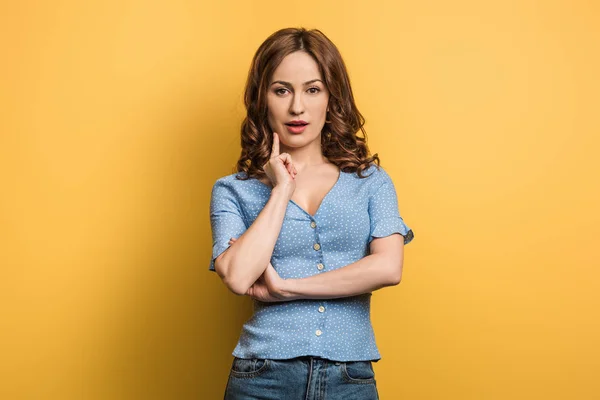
[{"x": 297, "y": 92}]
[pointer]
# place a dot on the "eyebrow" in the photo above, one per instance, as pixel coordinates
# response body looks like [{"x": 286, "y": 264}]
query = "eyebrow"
[{"x": 289, "y": 84}]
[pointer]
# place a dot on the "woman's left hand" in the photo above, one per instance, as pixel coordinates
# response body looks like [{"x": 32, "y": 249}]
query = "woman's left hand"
[{"x": 269, "y": 287}]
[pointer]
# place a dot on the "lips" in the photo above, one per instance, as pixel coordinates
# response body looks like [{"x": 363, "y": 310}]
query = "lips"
[
  {"x": 297, "y": 123},
  {"x": 295, "y": 129}
]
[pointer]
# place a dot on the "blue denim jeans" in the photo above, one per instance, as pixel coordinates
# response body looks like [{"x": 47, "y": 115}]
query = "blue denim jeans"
[{"x": 300, "y": 378}]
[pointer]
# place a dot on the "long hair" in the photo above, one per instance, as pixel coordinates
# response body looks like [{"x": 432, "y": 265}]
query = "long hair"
[{"x": 339, "y": 140}]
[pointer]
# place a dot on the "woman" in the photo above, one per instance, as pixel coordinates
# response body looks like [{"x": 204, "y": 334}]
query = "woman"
[{"x": 308, "y": 227}]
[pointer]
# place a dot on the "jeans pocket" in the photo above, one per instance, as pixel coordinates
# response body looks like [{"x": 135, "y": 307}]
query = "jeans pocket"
[
  {"x": 358, "y": 372},
  {"x": 249, "y": 367}
]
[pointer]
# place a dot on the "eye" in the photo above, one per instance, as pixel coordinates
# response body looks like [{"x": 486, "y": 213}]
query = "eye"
[
  {"x": 277, "y": 91},
  {"x": 317, "y": 90}
]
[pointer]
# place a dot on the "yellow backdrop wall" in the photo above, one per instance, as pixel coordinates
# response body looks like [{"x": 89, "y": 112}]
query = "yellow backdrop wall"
[{"x": 118, "y": 116}]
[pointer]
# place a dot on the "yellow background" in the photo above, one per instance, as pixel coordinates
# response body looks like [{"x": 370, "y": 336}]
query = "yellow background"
[{"x": 118, "y": 116}]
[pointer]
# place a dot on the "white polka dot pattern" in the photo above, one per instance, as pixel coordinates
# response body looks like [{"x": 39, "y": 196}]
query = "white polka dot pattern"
[{"x": 352, "y": 213}]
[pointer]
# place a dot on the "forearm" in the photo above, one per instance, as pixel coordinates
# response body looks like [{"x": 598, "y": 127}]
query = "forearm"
[
  {"x": 370, "y": 273},
  {"x": 247, "y": 258}
]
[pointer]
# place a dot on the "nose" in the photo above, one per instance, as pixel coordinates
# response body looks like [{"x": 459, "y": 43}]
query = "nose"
[{"x": 297, "y": 106}]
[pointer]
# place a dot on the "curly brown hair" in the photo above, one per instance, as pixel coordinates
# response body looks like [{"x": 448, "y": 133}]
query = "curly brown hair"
[{"x": 340, "y": 143}]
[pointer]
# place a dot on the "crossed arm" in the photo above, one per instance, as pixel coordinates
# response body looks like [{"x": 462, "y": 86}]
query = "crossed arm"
[{"x": 381, "y": 268}]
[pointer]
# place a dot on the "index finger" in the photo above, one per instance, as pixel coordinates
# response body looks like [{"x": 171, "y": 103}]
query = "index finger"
[{"x": 275, "y": 149}]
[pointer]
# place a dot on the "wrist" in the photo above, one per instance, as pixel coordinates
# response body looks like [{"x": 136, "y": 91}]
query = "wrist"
[
  {"x": 288, "y": 289},
  {"x": 282, "y": 191}
]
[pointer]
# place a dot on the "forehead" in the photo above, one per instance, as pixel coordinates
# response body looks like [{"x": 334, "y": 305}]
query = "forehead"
[{"x": 297, "y": 67}]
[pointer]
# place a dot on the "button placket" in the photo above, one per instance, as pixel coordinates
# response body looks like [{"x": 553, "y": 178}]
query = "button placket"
[
  {"x": 320, "y": 267},
  {"x": 317, "y": 245}
]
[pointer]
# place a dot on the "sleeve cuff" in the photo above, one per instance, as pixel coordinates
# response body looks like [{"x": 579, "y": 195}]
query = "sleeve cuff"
[
  {"x": 216, "y": 252},
  {"x": 389, "y": 226}
]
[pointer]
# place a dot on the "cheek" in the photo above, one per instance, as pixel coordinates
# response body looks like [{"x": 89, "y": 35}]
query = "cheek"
[
  {"x": 321, "y": 106},
  {"x": 271, "y": 114},
  {"x": 272, "y": 122},
  {"x": 275, "y": 110}
]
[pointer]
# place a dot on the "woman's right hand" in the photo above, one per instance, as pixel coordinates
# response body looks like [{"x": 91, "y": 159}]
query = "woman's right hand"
[{"x": 279, "y": 169}]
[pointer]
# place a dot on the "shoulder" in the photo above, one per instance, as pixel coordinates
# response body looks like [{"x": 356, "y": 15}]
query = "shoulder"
[
  {"x": 230, "y": 184},
  {"x": 373, "y": 176},
  {"x": 231, "y": 180},
  {"x": 227, "y": 179}
]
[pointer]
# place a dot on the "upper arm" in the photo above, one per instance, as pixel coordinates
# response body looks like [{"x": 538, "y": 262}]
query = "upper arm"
[
  {"x": 388, "y": 231},
  {"x": 226, "y": 219},
  {"x": 392, "y": 248}
]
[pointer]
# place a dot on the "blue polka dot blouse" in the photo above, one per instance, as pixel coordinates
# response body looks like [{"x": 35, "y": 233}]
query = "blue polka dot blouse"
[{"x": 351, "y": 214}]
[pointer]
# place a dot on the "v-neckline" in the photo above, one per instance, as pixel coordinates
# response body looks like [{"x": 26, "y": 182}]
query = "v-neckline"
[{"x": 322, "y": 200}]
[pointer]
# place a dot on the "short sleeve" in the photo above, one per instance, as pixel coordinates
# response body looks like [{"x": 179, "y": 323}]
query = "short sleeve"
[
  {"x": 384, "y": 213},
  {"x": 226, "y": 219}
]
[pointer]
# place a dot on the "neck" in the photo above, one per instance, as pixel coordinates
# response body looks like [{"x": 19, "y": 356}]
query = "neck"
[{"x": 307, "y": 156}]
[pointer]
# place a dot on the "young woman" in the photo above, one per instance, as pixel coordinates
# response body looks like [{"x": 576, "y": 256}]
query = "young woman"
[{"x": 308, "y": 226}]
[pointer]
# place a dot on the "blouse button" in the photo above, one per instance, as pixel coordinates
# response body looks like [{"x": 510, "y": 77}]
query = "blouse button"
[
  {"x": 320, "y": 266},
  {"x": 313, "y": 224},
  {"x": 321, "y": 309},
  {"x": 318, "y": 332},
  {"x": 316, "y": 246}
]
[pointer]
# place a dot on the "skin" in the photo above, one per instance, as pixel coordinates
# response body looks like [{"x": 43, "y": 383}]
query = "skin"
[
  {"x": 267, "y": 288},
  {"x": 298, "y": 99},
  {"x": 296, "y": 91},
  {"x": 298, "y": 170}
]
